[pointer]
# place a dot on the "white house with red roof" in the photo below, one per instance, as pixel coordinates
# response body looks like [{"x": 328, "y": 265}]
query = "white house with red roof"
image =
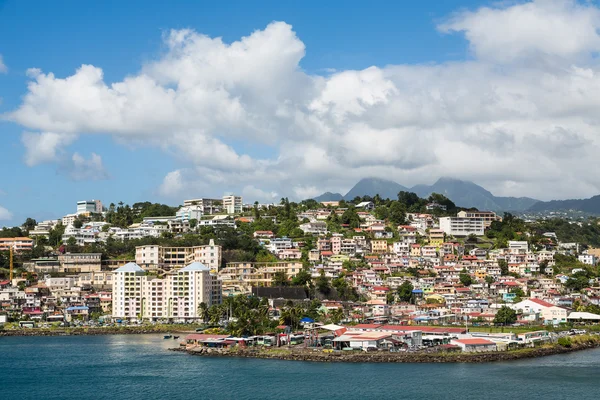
[{"x": 549, "y": 313}]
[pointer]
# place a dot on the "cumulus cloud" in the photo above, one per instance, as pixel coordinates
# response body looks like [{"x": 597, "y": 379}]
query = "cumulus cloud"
[
  {"x": 45, "y": 147},
  {"x": 5, "y": 214},
  {"x": 520, "y": 117},
  {"x": 251, "y": 193},
  {"x": 79, "y": 168}
]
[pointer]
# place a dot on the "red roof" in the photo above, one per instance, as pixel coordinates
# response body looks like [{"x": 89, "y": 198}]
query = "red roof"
[
  {"x": 475, "y": 342},
  {"x": 381, "y": 288},
  {"x": 366, "y": 326},
  {"x": 542, "y": 303}
]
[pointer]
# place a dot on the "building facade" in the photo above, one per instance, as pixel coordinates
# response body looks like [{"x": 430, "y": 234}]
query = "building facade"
[
  {"x": 232, "y": 204},
  {"x": 176, "y": 297},
  {"x": 154, "y": 256}
]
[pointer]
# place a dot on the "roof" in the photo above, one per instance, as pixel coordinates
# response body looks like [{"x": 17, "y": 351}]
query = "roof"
[
  {"x": 10, "y": 239},
  {"x": 541, "y": 302},
  {"x": 195, "y": 266},
  {"x": 475, "y": 342},
  {"x": 130, "y": 267},
  {"x": 584, "y": 315}
]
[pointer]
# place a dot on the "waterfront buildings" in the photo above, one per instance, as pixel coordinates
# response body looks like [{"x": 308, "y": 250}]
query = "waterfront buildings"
[{"x": 177, "y": 296}]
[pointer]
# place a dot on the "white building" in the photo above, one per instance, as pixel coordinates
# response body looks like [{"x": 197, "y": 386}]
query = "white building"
[
  {"x": 314, "y": 228},
  {"x": 190, "y": 212},
  {"x": 209, "y": 206},
  {"x": 518, "y": 247},
  {"x": 232, "y": 204},
  {"x": 177, "y": 296},
  {"x": 588, "y": 259},
  {"x": 457, "y": 226},
  {"x": 154, "y": 256},
  {"x": 89, "y": 206}
]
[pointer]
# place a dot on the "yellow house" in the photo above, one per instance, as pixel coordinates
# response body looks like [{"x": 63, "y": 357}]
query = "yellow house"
[
  {"x": 415, "y": 250},
  {"x": 436, "y": 237},
  {"x": 379, "y": 246}
]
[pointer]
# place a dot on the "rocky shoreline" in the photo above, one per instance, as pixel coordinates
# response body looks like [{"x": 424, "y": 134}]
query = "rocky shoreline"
[
  {"x": 141, "y": 330},
  {"x": 387, "y": 357}
]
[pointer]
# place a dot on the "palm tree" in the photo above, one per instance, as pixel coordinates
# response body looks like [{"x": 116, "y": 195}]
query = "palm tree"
[{"x": 203, "y": 312}]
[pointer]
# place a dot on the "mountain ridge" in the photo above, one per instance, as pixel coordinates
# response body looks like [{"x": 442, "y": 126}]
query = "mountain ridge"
[{"x": 462, "y": 193}]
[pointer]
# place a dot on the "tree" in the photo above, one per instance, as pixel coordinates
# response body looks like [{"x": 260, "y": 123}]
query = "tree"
[
  {"x": 489, "y": 280},
  {"x": 397, "y": 213},
  {"x": 465, "y": 279},
  {"x": 505, "y": 316},
  {"x": 322, "y": 284},
  {"x": 503, "y": 267},
  {"x": 77, "y": 223},
  {"x": 29, "y": 224},
  {"x": 302, "y": 278},
  {"x": 543, "y": 266},
  {"x": 279, "y": 279},
  {"x": 351, "y": 218},
  {"x": 203, "y": 311},
  {"x": 390, "y": 298},
  {"x": 405, "y": 291}
]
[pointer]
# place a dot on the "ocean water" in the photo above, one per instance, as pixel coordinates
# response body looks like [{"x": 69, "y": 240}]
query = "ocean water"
[{"x": 140, "y": 367}]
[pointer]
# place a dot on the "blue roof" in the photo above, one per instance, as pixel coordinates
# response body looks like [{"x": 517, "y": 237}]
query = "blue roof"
[
  {"x": 73, "y": 308},
  {"x": 417, "y": 291},
  {"x": 195, "y": 266},
  {"x": 130, "y": 267}
]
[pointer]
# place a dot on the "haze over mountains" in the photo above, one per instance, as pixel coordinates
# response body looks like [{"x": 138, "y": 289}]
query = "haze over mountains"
[{"x": 462, "y": 193}]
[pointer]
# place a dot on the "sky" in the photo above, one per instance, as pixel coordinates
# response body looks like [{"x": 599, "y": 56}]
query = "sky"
[{"x": 163, "y": 101}]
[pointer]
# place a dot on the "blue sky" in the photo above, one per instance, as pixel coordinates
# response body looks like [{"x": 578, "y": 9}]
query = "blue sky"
[{"x": 123, "y": 38}]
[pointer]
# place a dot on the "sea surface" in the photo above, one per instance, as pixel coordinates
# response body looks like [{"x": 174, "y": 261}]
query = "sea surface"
[{"x": 141, "y": 367}]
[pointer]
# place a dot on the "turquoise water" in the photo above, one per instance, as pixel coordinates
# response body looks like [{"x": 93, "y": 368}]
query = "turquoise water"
[{"x": 140, "y": 367}]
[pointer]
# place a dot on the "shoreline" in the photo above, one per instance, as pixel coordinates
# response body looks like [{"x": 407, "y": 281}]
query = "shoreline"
[
  {"x": 130, "y": 330},
  {"x": 387, "y": 357}
]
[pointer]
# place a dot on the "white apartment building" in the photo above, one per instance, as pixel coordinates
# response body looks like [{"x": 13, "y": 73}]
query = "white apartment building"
[
  {"x": 486, "y": 216},
  {"x": 518, "y": 247},
  {"x": 457, "y": 226},
  {"x": 588, "y": 259},
  {"x": 89, "y": 206},
  {"x": 232, "y": 204},
  {"x": 69, "y": 219},
  {"x": 154, "y": 256},
  {"x": 208, "y": 206},
  {"x": 177, "y": 296},
  {"x": 190, "y": 212}
]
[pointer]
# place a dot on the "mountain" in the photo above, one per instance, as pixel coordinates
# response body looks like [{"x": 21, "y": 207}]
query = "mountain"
[
  {"x": 372, "y": 186},
  {"x": 469, "y": 194},
  {"x": 462, "y": 193},
  {"x": 328, "y": 196},
  {"x": 591, "y": 205}
]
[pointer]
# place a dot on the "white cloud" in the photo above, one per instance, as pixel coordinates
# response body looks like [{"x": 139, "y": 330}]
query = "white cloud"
[
  {"x": 3, "y": 67},
  {"x": 251, "y": 194},
  {"x": 561, "y": 28},
  {"x": 45, "y": 147},
  {"x": 91, "y": 169},
  {"x": 5, "y": 214},
  {"x": 519, "y": 118}
]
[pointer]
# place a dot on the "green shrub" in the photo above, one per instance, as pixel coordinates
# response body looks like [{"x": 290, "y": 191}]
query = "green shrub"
[{"x": 564, "y": 341}]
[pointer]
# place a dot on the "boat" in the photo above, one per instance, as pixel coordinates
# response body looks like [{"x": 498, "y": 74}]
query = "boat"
[
  {"x": 175, "y": 337},
  {"x": 167, "y": 337}
]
